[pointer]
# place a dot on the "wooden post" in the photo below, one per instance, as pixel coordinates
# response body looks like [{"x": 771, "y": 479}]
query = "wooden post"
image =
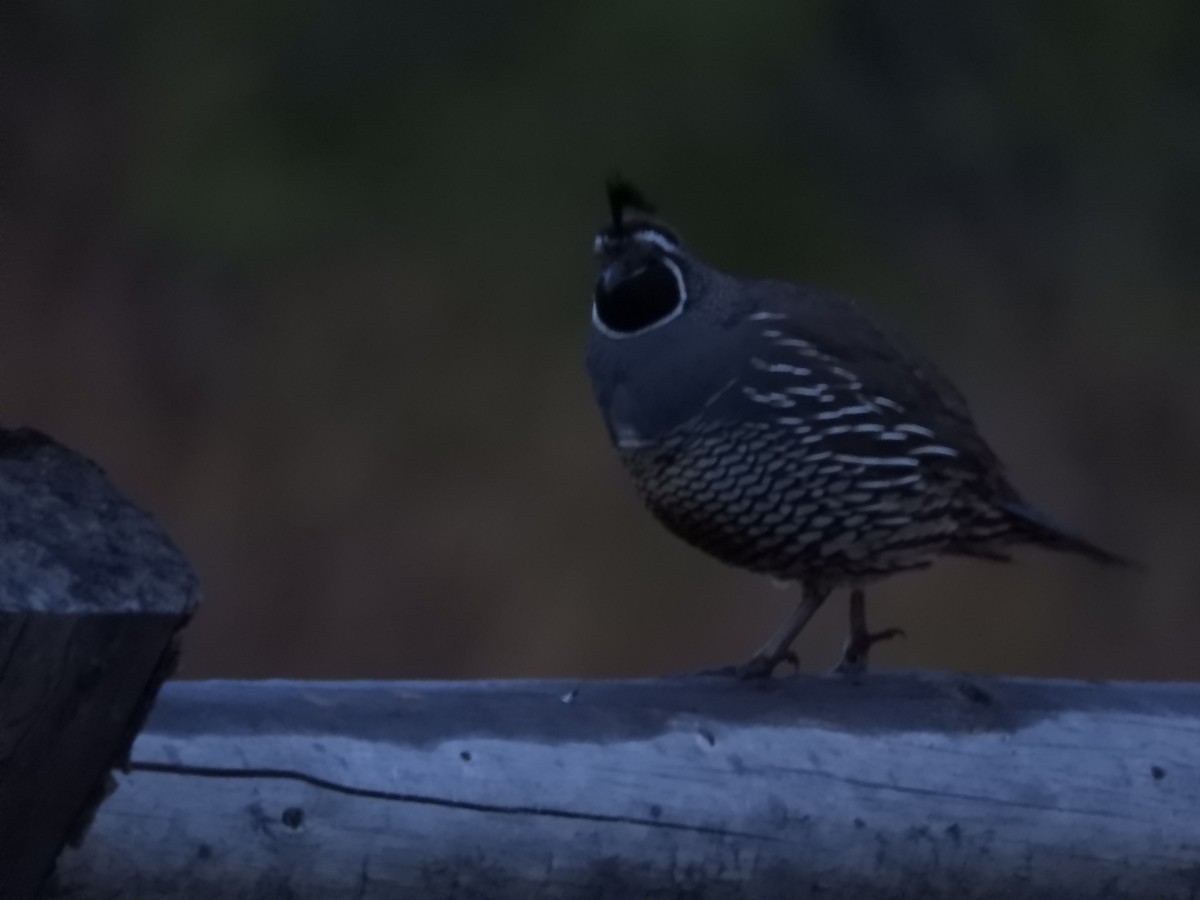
[
  {"x": 92, "y": 594},
  {"x": 904, "y": 786}
]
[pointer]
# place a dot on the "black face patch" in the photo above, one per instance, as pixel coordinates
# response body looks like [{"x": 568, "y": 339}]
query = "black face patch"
[{"x": 647, "y": 295}]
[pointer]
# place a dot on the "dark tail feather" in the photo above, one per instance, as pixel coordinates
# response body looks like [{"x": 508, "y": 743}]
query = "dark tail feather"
[{"x": 1040, "y": 530}]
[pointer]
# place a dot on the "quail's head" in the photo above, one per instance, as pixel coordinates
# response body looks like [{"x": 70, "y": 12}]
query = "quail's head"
[{"x": 643, "y": 281}]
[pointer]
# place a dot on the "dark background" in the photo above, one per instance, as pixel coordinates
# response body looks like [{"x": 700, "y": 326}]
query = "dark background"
[{"x": 311, "y": 280}]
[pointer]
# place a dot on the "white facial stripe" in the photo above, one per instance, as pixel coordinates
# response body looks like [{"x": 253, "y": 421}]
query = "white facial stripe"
[
  {"x": 604, "y": 241},
  {"x": 656, "y": 238},
  {"x": 673, "y": 314}
]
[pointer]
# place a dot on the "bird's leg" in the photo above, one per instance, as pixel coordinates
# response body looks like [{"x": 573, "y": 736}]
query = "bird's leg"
[
  {"x": 859, "y": 644},
  {"x": 779, "y": 648}
]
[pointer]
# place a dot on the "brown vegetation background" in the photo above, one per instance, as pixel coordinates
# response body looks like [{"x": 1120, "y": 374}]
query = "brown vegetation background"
[{"x": 311, "y": 280}]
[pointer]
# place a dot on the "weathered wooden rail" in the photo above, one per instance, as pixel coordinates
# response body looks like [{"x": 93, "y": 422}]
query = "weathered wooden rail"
[{"x": 908, "y": 785}]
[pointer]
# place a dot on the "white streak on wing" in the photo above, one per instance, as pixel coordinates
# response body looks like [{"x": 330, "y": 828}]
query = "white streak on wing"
[
  {"x": 779, "y": 368},
  {"x": 800, "y": 391},
  {"x": 933, "y": 450},
  {"x": 785, "y": 369},
  {"x": 867, "y": 428},
  {"x": 767, "y": 317},
  {"x": 877, "y": 460},
  {"x": 883, "y": 484},
  {"x": 915, "y": 429},
  {"x": 836, "y": 429},
  {"x": 890, "y": 404},
  {"x": 772, "y": 333},
  {"x": 797, "y": 343},
  {"x": 795, "y": 423},
  {"x": 770, "y": 398},
  {"x": 846, "y": 411},
  {"x": 893, "y": 436}
]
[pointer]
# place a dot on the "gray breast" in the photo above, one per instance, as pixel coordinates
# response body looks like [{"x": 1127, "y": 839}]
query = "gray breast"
[{"x": 649, "y": 385}]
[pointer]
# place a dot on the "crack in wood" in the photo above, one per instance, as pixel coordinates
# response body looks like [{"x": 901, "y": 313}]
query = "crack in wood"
[{"x": 427, "y": 800}]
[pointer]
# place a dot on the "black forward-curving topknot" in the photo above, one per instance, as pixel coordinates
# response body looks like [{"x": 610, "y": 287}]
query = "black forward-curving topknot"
[{"x": 622, "y": 195}]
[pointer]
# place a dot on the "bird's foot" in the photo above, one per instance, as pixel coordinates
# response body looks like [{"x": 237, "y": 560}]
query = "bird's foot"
[
  {"x": 858, "y": 649},
  {"x": 757, "y": 667}
]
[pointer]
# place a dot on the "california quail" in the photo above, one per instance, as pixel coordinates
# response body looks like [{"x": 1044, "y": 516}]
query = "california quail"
[{"x": 782, "y": 431}]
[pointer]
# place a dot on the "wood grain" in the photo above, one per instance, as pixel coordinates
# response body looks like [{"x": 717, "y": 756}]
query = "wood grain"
[{"x": 906, "y": 785}]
